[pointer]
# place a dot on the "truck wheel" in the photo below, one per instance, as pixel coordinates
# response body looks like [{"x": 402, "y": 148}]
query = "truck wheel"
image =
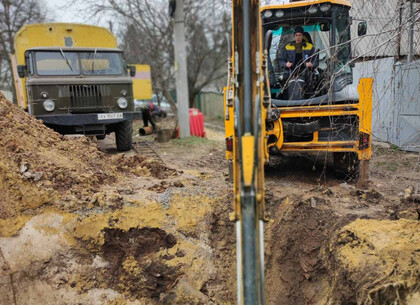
[
  {"x": 347, "y": 166},
  {"x": 124, "y": 136}
]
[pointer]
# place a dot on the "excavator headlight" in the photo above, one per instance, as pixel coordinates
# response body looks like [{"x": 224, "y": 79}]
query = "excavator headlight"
[
  {"x": 268, "y": 14},
  {"x": 325, "y": 7},
  {"x": 279, "y": 13},
  {"x": 49, "y": 105},
  {"x": 313, "y": 9}
]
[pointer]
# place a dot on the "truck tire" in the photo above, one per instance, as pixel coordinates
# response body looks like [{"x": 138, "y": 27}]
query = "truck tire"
[
  {"x": 347, "y": 166},
  {"x": 124, "y": 136}
]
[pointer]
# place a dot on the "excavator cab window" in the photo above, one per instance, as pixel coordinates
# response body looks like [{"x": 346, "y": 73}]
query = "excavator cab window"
[
  {"x": 328, "y": 30},
  {"x": 321, "y": 55}
]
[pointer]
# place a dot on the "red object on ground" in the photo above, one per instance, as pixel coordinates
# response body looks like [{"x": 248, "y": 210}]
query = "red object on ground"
[{"x": 196, "y": 124}]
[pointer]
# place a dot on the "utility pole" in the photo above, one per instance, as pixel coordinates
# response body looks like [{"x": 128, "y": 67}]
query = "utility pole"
[{"x": 181, "y": 70}]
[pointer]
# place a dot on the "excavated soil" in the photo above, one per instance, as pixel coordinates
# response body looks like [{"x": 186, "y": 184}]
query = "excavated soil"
[
  {"x": 80, "y": 226},
  {"x": 40, "y": 167}
]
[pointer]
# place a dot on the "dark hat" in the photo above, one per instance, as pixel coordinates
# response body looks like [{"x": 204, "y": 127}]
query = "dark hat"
[{"x": 299, "y": 29}]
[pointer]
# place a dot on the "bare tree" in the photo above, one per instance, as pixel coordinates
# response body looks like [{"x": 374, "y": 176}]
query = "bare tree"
[
  {"x": 13, "y": 15},
  {"x": 147, "y": 33}
]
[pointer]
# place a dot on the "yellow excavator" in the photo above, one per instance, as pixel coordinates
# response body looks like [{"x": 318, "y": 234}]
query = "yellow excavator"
[{"x": 272, "y": 107}]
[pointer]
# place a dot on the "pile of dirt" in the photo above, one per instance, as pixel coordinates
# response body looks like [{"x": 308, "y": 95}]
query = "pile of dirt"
[
  {"x": 376, "y": 262},
  {"x": 315, "y": 256},
  {"x": 41, "y": 167}
]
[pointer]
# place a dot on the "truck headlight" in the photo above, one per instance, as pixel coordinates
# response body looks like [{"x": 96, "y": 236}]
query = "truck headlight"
[
  {"x": 49, "y": 105},
  {"x": 122, "y": 103}
]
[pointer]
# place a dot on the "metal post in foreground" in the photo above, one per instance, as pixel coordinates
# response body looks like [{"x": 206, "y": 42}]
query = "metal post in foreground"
[{"x": 181, "y": 71}]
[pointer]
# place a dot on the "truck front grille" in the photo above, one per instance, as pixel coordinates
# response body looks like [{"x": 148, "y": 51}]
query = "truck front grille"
[{"x": 87, "y": 96}]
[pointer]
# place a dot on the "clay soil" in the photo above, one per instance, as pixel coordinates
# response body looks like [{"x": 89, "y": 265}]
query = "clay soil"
[{"x": 83, "y": 224}]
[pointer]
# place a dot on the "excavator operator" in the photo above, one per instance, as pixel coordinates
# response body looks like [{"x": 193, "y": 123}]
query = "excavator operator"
[{"x": 297, "y": 59}]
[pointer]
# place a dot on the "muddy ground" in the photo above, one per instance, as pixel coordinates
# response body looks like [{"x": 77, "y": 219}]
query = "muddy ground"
[{"x": 83, "y": 224}]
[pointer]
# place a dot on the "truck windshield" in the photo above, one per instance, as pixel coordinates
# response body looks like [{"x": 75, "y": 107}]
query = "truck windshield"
[
  {"x": 53, "y": 63},
  {"x": 101, "y": 63}
]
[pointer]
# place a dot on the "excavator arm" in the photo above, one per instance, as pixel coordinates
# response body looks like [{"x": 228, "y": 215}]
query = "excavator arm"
[{"x": 249, "y": 102}]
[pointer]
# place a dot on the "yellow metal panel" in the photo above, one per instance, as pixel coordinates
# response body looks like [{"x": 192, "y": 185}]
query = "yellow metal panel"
[
  {"x": 365, "y": 99},
  {"x": 248, "y": 143},
  {"x": 19, "y": 87},
  {"x": 314, "y": 144},
  {"x": 365, "y": 116},
  {"x": 142, "y": 83},
  {"x": 229, "y": 126},
  {"x": 54, "y": 35},
  {"x": 305, "y": 3},
  {"x": 318, "y": 149},
  {"x": 313, "y": 114}
]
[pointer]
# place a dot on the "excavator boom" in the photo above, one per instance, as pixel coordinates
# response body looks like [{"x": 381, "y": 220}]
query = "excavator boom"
[{"x": 246, "y": 85}]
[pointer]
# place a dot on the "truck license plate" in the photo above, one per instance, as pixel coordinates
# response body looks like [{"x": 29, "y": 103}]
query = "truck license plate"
[{"x": 110, "y": 116}]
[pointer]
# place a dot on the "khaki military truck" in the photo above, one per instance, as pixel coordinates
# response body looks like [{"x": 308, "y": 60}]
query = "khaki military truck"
[{"x": 74, "y": 78}]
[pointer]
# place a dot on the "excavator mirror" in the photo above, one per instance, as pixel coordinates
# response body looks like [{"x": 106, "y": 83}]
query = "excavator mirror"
[
  {"x": 21, "y": 71},
  {"x": 268, "y": 39},
  {"x": 362, "y": 28},
  {"x": 132, "y": 70}
]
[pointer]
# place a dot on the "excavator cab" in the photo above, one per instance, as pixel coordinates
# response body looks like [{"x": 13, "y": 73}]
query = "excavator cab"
[{"x": 327, "y": 29}]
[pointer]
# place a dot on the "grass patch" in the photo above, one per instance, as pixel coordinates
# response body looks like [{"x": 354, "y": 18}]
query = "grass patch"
[
  {"x": 194, "y": 141},
  {"x": 389, "y": 165},
  {"x": 395, "y": 147}
]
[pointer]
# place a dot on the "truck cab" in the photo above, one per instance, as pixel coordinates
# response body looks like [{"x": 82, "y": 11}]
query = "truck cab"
[{"x": 75, "y": 79}]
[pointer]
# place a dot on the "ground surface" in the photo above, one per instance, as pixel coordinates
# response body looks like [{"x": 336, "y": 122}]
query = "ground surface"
[{"x": 83, "y": 224}]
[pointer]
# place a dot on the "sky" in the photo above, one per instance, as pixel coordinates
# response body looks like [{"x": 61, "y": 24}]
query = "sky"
[
  {"x": 69, "y": 14},
  {"x": 72, "y": 14}
]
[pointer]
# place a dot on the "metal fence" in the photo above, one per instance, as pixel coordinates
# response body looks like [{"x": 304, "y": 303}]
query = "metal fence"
[
  {"x": 210, "y": 104},
  {"x": 396, "y": 101}
]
